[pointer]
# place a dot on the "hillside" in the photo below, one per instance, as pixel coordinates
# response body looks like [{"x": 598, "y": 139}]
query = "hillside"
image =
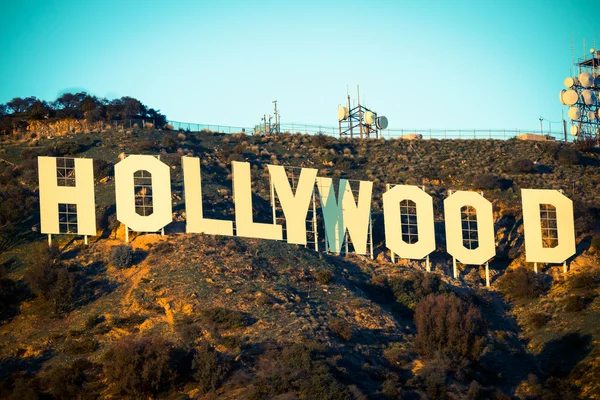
[{"x": 202, "y": 316}]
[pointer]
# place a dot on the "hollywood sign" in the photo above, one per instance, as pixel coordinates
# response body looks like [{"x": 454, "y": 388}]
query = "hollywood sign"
[{"x": 342, "y": 214}]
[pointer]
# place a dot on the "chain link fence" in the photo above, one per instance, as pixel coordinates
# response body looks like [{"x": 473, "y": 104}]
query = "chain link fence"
[{"x": 500, "y": 134}]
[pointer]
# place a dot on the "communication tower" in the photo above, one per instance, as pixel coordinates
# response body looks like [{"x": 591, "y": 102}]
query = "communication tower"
[
  {"x": 582, "y": 97},
  {"x": 360, "y": 119},
  {"x": 265, "y": 126}
]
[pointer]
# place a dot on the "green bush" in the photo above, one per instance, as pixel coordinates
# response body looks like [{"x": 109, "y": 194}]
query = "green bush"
[
  {"x": 538, "y": 320},
  {"x": 413, "y": 287},
  {"x": 121, "y": 256},
  {"x": 568, "y": 156},
  {"x": 490, "y": 181},
  {"x": 81, "y": 346},
  {"x": 574, "y": 303},
  {"x": 67, "y": 148},
  {"x": 169, "y": 143},
  {"x": 522, "y": 165},
  {"x": 324, "y": 276},
  {"x": 223, "y": 318},
  {"x": 588, "y": 279}
]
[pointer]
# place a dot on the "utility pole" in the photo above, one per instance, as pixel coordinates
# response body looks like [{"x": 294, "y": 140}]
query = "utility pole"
[{"x": 276, "y": 117}]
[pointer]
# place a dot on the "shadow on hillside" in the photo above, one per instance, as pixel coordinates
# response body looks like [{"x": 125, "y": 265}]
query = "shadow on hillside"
[
  {"x": 31, "y": 365},
  {"x": 560, "y": 356},
  {"x": 89, "y": 288}
]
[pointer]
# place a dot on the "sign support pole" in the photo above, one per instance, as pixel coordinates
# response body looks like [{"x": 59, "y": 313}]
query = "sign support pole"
[
  {"x": 371, "y": 234},
  {"x": 454, "y": 274},
  {"x": 316, "y": 236}
]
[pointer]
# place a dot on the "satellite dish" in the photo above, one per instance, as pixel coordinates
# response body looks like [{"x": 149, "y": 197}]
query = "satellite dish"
[
  {"x": 560, "y": 96},
  {"x": 570, "y": 82},
  {"x": 570, "y": 97},
  {"x": 574, "y": 113},
  {"x": 586, "y": 79},
  {"x": 588, "y": 97},
  {"x": 574, "y": 130},
  {"x": 381, "y": 122},
  {"x": 591, "y": 115},
  {"x": 369, "y": 118},
  {"x": 592, "y": 50},
  {"x": 342, "y": 113}
]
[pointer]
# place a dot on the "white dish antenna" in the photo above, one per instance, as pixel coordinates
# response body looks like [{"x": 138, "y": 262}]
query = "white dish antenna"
[
  {"x": 574, "y": 113},
  {"x": 342, "y": 113},
  {"x": 570, "y": 97},
  {"x": 382, "y": 122},
  {"x": 560, "y": 96},
  {"x": 591, "y": 115},
  {"x": 570, "y": 82},
  {"x": 588, "y": 97},
  {"x": 574, "y": 130},
  {"x": 586, "y": 79},
  {"x": 369, "y": 118}
]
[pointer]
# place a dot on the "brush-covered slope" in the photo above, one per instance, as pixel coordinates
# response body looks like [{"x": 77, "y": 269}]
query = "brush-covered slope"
[{"x": 202, "y": 316}]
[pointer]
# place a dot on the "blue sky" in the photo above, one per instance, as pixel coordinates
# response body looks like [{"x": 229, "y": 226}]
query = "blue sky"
[{"x": 424, "y": 64}]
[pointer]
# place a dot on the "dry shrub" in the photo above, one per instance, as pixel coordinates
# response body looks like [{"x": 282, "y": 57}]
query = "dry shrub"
[
  {"x": 121, "y": 256},
  {"x": 324, "y": 276},
  {"x": 51, "y": 280},
  {"x": 450, "y": 326},
  {"x": 223, "y": 318},
  {"x": 341, "y": 328},
  {"x": 139, "y": 367},
  {"x": 208, "y": 369},
  {"x": 522, "y": 165},
  {"x": 521, "y": 284}
]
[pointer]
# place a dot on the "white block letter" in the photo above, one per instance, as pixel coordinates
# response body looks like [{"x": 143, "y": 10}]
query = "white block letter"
[
  {"x": 195, "y": 222},
  {"x": 295, "y": 206},
  {"x": 345, "y": 213},
  {"x": 81, "y": 194},
  {"x": 160, "y": 192},
  {"x": 425, "y": 222},
  {"x": 485, "y": 228},
  {"x": 242, "y": 193},
  {"x": 534, "y": 249}
]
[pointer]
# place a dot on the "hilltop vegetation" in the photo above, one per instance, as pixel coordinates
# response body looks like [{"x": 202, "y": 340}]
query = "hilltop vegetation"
[{"x": 202, "y": 316}]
